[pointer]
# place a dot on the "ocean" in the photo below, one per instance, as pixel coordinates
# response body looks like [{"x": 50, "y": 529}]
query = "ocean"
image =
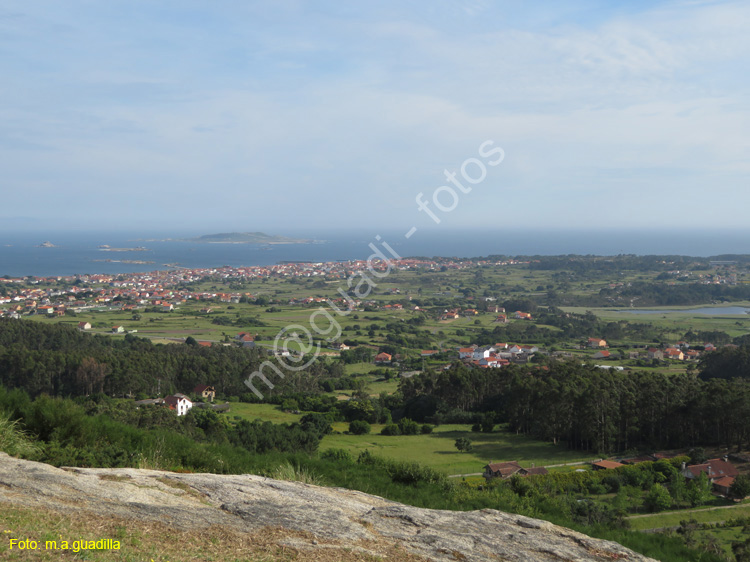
[{"x": 80, "y": 252}]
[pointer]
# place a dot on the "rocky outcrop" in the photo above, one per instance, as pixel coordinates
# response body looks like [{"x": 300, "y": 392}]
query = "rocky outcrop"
[{"x": 314, "y": 517}]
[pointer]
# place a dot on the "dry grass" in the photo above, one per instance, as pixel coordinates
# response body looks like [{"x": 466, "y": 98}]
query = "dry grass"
[{"x": 146, "y": 542}]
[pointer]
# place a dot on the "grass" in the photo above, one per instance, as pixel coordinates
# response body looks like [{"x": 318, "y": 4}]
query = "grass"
[
  {"x": 266, "y": 412},
  {"x": 437, "y": 450},
  {"x": 701, "y": 515}
]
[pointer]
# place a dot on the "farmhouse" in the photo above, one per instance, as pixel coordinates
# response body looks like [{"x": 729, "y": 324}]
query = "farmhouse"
[
  {"x": 507, "y": 469},
  {"x": 205, "y": 391},
  {"x": 597, "y": 342},
  {"x": 179, "y": 402},
  {"x": 715, "y": 469},
  {"x": 383, "y": 357}
]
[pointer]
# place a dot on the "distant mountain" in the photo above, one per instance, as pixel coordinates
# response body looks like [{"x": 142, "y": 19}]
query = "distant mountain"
[{"x": 247, "y": 238}]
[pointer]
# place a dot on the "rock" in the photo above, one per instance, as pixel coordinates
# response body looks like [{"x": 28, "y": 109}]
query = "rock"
[{"x": 314, "y": 517}]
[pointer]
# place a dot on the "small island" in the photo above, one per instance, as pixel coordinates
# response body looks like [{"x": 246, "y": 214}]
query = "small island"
[{"x": 47, "y": 244}]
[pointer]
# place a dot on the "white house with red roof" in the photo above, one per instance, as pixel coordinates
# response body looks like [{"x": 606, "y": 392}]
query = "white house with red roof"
[{"x": 179, "y": 402}]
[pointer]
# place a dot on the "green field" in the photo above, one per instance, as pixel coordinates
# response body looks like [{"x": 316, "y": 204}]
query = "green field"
[
  {"x": 672, "y": 519},
  {"x": 265, "y": 412},
  {"x": 438, "y": 450}
]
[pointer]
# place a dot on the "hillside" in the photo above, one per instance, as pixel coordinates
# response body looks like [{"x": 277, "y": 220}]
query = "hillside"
[{"x": 165, "y": 515}]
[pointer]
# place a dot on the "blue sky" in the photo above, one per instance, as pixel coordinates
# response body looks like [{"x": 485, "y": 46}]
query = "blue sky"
[{"x": 290, "y": 115}]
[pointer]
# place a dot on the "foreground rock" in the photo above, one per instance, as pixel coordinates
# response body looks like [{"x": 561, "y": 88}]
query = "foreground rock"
[{"x": 315, "y": 518}]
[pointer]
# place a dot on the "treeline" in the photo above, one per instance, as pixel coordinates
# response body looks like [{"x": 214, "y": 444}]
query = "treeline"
[
  {"x": 614, "y": 264},
  {"x": 662, "y": 294},
  {"x": 62, "y": 361},
  {"x": 569, "y": 326},
  {"x": 589, "y": 408}
]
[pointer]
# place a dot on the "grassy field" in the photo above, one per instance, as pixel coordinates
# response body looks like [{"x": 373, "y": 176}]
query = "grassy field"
[
  {"x": 265, "y": 412},
  {"x": 438, "y": 450},
  {"x": 706, "y": 515}
]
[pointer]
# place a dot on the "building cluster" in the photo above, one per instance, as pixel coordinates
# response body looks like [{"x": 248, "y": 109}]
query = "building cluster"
[
  {"x": 497, "y": 355},
  {"x": 179, "y": 402},
  {"x": 165, "y": 289}
]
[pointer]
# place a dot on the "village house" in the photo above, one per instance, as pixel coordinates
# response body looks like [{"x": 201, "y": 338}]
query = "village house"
[
  {"x": 603, "y": 354},
  {"x": 383, "y": 357},
  {"x": 654, "y": 353},
  {"x": 178, "y": 402},
  {"x": 84, "y": 325},
  {"x": 597, "y": 342},
  {"x": 674, "y": 353},
  {"x": 715, "y": 469},
  {"x": 465, "y": 352},
  {"x": 507, "y": 469},
  {"x": 206, "y": 392},
  {"x": 118, "y": 330},
  {"x": 523, "y": 315}
]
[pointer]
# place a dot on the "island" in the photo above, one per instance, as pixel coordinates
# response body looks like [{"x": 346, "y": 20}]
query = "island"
[
  {"x": 246, "y": 238},
  {"x": 46, "y": 245}
]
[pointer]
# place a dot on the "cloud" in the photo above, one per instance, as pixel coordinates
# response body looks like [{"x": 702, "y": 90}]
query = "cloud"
[{"x": 343, "y": 113}]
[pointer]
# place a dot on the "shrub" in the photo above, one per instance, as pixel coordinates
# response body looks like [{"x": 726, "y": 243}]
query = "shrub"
[
  {"x": 296, "y": 473},
  {"x": 463, "y": 444},
  {"x": 408, "y": 427},
  {"x": 14, "y": 440},
  {"x": 426, "y": 429},
  {"x": 337, "y": 455},
  {"x": 390, "y": 429},
  {"x": 359, "y": 427}
]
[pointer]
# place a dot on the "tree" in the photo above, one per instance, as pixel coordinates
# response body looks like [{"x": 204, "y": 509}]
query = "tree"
[
  {"x": 658, "y": 498},
  {"x": 699, "y": 490},
  {"x": 316, "y": 423},
  {"x": 359, "y": 427},
  {"x": 741, "y": 487},
  {"x": 463, "y": 444}
]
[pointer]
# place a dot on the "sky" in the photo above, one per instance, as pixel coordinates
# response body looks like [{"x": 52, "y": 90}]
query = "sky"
[{"x": 289, "y": 115}]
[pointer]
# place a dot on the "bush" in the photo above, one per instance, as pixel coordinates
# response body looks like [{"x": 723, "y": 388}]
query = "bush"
[
  {"x": 14, "y": 440},
  {"x": 426, "y": 429},
  {"x": 408, "y": 427},
  {"x": 359, "y": 427},
  {"x": 340, "y": 455},
  {"x": 390, "y": 429},
  {"x": 463, "y": 444}
]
